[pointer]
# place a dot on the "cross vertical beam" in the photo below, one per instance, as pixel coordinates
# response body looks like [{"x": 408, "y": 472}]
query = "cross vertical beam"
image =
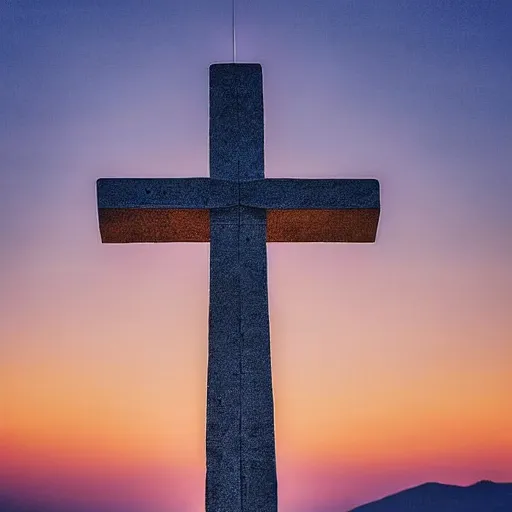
[{"x": 240, "y": 444}]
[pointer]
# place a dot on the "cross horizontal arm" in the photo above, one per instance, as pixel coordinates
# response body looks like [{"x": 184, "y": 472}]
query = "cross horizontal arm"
[
  {"x": 312, "y": 210},
  {"x": 178, "y": 209}
]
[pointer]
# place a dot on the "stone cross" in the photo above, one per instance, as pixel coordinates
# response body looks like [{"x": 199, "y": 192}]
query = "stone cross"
[{"x": 238, "y": 211}]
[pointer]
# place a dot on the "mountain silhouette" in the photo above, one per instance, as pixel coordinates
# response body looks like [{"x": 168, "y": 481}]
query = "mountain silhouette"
[{"x": 484, "y": 496}]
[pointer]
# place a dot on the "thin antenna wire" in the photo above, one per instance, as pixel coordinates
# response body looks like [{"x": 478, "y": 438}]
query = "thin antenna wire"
[{"x": 234, "y": 34}]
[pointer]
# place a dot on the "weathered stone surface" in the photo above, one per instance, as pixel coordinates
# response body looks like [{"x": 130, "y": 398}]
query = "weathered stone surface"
[
  {"x": 166, "y": 193},
  {"x": 358, "y": 225},
  {"x": 144, "y": 225},
  {"x": 238, "y": 211},
  {"x": 240, "y": 409},
  {"x": 290, "y": 193},
  {"x": 236, "y": 122},
  {"x": 298, "y": 210}
]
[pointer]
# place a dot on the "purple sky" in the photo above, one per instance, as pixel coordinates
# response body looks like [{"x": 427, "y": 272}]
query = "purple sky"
[{"x": 392, "y": 362}]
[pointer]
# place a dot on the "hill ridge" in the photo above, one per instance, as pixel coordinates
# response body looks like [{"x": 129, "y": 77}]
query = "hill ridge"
[{"x": 480, "y": 496}]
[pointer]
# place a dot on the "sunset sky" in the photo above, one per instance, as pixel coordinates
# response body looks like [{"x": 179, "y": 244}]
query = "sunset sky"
[{"x": 392, "y": 362}]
